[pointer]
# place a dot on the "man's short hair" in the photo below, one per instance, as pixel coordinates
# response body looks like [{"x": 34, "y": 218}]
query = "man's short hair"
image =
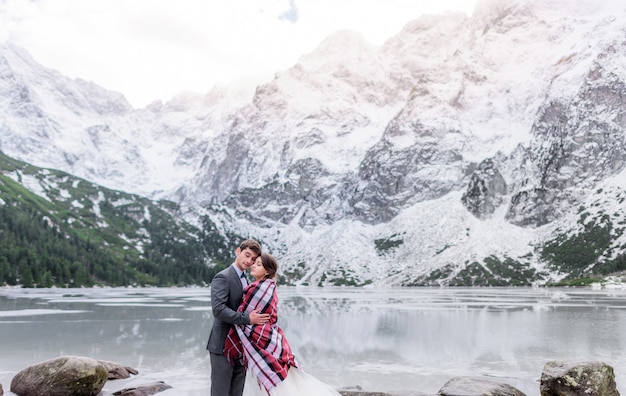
[{"x": 250, "y": 244}]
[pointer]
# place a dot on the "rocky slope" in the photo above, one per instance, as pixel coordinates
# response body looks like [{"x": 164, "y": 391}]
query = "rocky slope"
[{"x": 464, "y": 150}]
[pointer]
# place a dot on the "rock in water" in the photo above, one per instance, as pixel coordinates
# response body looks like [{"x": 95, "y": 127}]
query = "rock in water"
[
  {"x": 144, "y": 390},
  {"x": 117, "y": 371},
  {"x": 64, "y": 376},
  {"x": 560, "y": 378},
  {"x": 477, "y": 386}
]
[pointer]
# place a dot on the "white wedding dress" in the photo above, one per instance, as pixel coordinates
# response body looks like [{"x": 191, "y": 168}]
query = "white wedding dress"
[{"x": 297, "y": 383}]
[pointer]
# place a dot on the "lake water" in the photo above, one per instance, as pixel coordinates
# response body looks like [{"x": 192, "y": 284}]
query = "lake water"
[{"x": 380, "y": 339}]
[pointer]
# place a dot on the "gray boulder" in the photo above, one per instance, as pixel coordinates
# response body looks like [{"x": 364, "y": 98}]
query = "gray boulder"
[
  {"x": 144, "y": 390},
  {"x": 478, "y": 386},
  {"x": 117, "y": 371},
  {"x": 391, "y": 393},
  {"x": 562, "y": 378},
  {"x": 64, "y": 376},
  {"x": 362, "y": 393}
]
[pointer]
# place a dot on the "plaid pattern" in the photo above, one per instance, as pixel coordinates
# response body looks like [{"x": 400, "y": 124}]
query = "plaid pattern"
[{"x": 263, "y": 348}]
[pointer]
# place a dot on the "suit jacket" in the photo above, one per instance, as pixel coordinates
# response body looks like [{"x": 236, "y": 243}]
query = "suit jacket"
[{"x": 226, "y": 295}]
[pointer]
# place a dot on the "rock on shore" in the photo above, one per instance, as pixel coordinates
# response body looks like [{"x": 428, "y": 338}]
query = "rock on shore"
[
  {"x": 64, "y": 376},
  {"x": 144, "y": 390},
  {"x": 82, "y": 376},
  {"x": 559, "y": 378},
  {"x": 578, "y": 378},
  {"x": 77, "y": 376},
  {"x": 117, "y": 371},
  {"x": 478, "y": 386}
]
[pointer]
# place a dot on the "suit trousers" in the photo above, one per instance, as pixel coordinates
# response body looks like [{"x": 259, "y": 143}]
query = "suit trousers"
[{"x": 226, "y": 380}]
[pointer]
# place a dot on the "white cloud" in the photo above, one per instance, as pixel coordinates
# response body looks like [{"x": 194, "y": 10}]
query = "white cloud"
[{"x": 154, "y": 49}]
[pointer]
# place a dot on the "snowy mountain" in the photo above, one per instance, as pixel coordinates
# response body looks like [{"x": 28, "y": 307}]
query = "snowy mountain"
[{"x": 465, "y": 150}]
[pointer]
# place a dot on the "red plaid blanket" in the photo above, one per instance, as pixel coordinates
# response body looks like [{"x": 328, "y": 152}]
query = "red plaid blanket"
[{"x": 263, "y": 348}]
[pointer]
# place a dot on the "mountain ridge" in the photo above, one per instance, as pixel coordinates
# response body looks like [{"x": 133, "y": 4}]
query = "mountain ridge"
[{"x": 460, "y": 151}]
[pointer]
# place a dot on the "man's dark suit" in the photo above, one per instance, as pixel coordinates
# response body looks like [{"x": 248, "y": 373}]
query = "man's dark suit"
[{"x": 226, "y": 295}]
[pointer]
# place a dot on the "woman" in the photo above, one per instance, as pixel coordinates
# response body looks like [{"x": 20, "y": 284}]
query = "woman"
[{"x": 272, "y": 370}]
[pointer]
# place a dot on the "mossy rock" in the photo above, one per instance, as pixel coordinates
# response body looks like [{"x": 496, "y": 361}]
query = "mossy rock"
[{"x": 64, "y": 376}]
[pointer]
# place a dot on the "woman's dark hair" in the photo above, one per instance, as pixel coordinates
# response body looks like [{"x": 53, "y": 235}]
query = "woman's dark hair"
[{"x": 270, "y": 265}]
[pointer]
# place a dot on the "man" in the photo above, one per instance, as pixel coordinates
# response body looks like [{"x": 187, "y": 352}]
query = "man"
[{"x": 226, "y": 294}]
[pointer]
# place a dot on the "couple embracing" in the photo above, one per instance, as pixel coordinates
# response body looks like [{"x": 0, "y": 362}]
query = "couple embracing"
[{"x": 249, "y": 353}]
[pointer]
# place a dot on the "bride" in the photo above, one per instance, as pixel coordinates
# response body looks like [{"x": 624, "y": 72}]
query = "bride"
[{"x": 272, "y": 369}]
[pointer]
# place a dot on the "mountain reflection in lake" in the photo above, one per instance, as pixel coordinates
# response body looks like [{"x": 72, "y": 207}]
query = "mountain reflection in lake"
[{"x": 380, "y": 339}]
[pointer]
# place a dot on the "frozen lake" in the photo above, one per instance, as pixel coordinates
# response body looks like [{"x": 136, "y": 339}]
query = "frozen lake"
[{"x": 380, "y": 339}]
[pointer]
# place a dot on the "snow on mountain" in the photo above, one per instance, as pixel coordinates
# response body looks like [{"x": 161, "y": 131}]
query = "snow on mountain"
[
  {"x": 461, "y": 146},
  {"x": 480, "y": 91},
  {"x": 77, "y": 126}
]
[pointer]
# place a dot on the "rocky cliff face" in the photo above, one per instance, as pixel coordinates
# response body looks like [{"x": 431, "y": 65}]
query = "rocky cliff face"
[
  {"x": 577, "y": 142},
  {"x": 461, "y": 146}
]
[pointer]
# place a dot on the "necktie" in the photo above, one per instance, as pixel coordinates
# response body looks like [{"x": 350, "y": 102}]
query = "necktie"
[{"x": 244, "y": 279}]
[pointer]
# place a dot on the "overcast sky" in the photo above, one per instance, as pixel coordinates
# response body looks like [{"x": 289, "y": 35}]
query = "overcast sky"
[{"x": 154, "y": 49}]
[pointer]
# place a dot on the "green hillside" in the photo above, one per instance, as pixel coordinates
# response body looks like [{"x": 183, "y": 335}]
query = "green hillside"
[{"x": 60, "y": 230}]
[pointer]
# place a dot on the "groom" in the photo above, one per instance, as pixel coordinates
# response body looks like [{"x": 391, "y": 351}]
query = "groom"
[{"x": 226, "y": 294}]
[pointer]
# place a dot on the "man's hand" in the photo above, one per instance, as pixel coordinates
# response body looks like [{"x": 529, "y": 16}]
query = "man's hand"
[{"x": 258, "y": 318}]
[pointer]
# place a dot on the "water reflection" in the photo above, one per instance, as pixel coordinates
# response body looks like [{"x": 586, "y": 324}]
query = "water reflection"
[{"x": 381, "y": 339}]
